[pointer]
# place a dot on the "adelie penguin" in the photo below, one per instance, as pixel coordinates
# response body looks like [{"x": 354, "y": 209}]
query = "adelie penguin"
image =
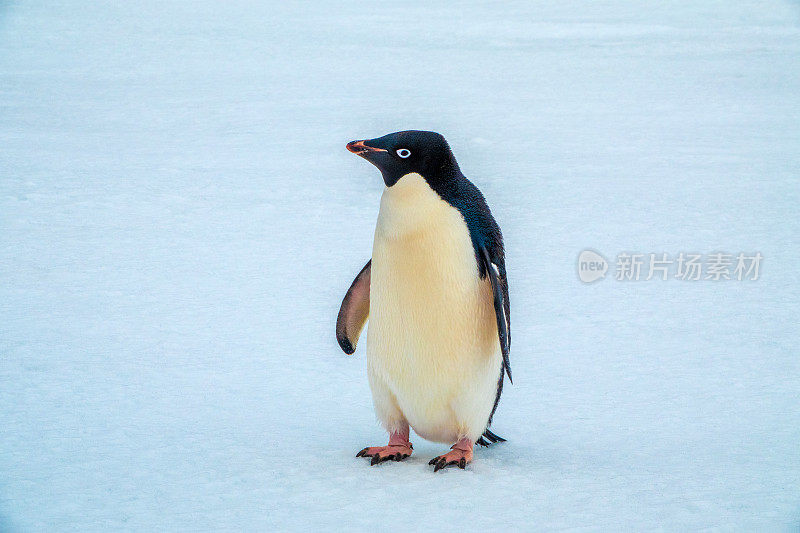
[{"x": 436, "y": 295}]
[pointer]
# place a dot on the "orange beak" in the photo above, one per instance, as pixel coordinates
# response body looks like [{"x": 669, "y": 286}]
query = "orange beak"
[{"x": 359, "y": 148}]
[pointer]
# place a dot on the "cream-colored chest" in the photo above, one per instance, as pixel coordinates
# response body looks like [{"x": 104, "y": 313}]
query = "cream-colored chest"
[{"x": 425, "y": 295}]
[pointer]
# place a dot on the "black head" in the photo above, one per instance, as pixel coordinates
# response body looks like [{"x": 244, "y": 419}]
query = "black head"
[{"x": 397, "y": 154}]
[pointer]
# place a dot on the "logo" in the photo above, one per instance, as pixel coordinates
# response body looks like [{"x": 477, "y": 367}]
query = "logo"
[
  {"x": 591, "y": 266},
  {"x": 716, "y": 266}
]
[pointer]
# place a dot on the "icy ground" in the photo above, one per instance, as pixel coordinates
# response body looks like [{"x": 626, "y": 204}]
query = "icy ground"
[{"x": 179, "y": 220}]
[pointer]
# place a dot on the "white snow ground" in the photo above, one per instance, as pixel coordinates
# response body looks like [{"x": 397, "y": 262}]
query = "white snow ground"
[{"x": 179, "y": 220}]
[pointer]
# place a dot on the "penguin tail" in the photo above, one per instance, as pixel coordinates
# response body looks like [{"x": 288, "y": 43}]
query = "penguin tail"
[{"x": 489, "y": 438}]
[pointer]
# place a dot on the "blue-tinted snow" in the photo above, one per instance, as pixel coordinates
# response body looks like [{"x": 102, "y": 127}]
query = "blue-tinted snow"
[{"x": 179, "y": 220}]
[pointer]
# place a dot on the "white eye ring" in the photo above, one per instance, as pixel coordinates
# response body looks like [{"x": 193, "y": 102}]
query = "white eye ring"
[{"x": 403, "y": 153}]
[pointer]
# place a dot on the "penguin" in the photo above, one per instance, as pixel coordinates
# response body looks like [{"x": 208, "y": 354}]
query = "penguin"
[{"x": 436, "y": 295}]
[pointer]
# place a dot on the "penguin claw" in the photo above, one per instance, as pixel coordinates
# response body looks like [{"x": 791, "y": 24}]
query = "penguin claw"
[
  {"x": 459, "y": 457},
  {"x": 381, "y": 454}
]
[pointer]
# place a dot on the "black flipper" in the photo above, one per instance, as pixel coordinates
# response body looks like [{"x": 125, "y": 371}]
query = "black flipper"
[
  {"x": 354, "y": 311},
  {"x": 500, "y": 306}
]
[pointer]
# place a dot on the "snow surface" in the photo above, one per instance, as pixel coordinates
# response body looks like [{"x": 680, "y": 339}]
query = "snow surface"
[{"x": 179, "y": 220}]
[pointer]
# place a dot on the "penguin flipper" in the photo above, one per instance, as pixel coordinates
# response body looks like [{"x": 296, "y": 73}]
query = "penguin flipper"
[
  {"x": 354, "y": 311},
  {"x": 499, "y": 309}
]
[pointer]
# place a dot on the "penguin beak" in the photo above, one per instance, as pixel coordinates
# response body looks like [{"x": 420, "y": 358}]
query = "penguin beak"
[
  {"x": 362, "y": 149},
  {"x": 379, "y": 157}
]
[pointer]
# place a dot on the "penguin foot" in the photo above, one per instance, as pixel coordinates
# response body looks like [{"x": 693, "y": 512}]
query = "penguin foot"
[
  {"x": 392, "y": 452},
  {"x": 460, "y": 455}
]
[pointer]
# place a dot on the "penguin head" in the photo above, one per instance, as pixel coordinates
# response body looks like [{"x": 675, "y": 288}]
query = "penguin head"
[{"x": 422, "y": 152}]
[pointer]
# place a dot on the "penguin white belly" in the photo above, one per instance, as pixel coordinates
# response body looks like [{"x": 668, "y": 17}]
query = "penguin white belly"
[{"x": 432, "y": 344}]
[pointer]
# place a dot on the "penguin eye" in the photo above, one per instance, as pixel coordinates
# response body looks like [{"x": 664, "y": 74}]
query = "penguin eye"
[{"x": 403, "y": 153}]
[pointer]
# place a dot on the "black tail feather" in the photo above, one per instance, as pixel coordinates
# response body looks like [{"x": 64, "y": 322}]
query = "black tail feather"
[{"x": 492, "y": 438}]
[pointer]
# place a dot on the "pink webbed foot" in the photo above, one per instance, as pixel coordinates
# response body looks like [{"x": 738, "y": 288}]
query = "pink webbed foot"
[
  {"x": 398, "y": 449},
  {"x": 460, "y": 455},
  {"x": 380, "y": 454}
]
